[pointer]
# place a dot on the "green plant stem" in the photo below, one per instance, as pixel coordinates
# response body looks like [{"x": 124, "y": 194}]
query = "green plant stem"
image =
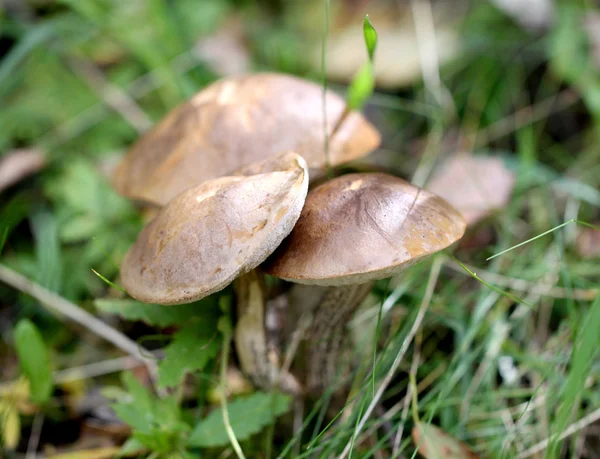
[
  {"x": 324, "y": 94},
  {"x": 224, "y": 359},
  {"x": 433, "y": 277}
]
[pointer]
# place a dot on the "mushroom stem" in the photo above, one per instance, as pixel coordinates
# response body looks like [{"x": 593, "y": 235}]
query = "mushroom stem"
[
  {"x": 325, "y": 343},
  {"x": 258, "y": 352}
]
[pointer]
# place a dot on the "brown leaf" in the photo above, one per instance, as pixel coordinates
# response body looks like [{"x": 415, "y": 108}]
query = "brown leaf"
[
  {"x": 434, "y": 443},
  {"x": 98, "y": 453},
  {"x": 588, "y": 242},
  {"x": 10, "y": 425},
  {"x": 475, "y": 185},
  {"x": 18, "y": 164}
]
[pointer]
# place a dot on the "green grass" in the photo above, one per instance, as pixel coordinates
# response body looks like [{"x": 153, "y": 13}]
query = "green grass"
[{"x": 66, "y": 229}]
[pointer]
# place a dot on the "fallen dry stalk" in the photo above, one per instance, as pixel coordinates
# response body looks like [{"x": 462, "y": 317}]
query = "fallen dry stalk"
[
  {"x": 71, "y": 311},
  {"x": 575, "y": 427}
]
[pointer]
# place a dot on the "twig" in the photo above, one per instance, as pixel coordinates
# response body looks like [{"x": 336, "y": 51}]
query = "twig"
[
  {"x": 95, "y": 369},
  {"x": 433, "y": 277},
  {"x": 34, "y": 438},
  {"x": 71, "y": 311},
  {"x": 93, "y": 115},
  {"x": 393, "y": 411},
  {"x": 575, "y": 427},
  {"x": 112, "y": 95},
  {"x": 525, "y": 116}
]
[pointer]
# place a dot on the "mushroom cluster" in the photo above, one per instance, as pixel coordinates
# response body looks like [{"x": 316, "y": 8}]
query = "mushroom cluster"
[{"x": 229, "y": 171}]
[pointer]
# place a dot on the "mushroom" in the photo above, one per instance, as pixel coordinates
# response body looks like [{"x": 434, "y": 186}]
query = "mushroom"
[
  {"x": 354, "y": 230},
  {"x": 236, "y": 121},
  {"x": 210, "y": 234},
  {"x": 216, "y": 232}
]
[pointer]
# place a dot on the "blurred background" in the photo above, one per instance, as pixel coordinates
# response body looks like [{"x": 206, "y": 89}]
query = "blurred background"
[{"x": 494, "y": 105}]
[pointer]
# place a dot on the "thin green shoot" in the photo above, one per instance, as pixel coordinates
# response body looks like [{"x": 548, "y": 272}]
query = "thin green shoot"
[
  {"x": 413, "y": 396},
  {"x": 324, "y": 92},
  {"x": 105, "y": 252},
  {"x": 358, "y": 417},
  {"x": 225, "y": 327},
  {"x": 376, "y": 337},
  {"x": 543, "y": 234},
  {"x": 304, "y": 425},
  {"x": 370, "y": 35},
  {"x": 363, "y": 84},
  {"x": 514, "y": 298},
  {"x": 112, "y": 284}
]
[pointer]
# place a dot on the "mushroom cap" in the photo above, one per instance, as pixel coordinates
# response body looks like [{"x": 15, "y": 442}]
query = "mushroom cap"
[
  {"x": 362, "y": 227},
  {"x": 237, "y": 121},
  {"x": 210, "y": 234}
]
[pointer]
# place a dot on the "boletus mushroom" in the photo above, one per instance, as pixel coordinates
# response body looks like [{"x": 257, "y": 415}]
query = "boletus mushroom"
[
  {"x": 353, "y": 230},
  {"x": 236, "y": 121},
  {"x": 216, "y": 232}
]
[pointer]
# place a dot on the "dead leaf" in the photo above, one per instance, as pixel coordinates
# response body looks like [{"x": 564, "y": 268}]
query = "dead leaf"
[
  {"x": 18, "y": 164},
  {"x": 98, "y": 453},
  {"x": 226, "y": 51},
  {"x": 237, "y": 384},
  {"x": 10, "y": 425},
  {"x": 474, "y": 185},
  {"x": 588, "y": 242},
  {"x": 17, "y": 393},
  {"x": 434, "y": 443}
]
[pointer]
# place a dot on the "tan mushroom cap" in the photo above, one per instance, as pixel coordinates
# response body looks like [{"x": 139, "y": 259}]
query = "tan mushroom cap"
[
  {"x": 362, "y": 227},
  {"x": 210, "y": 234},
  {"x": 237, "y": 121}
]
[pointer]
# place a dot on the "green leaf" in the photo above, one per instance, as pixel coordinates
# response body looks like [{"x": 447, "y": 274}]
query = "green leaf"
[
  {"x": 191, "y": 349},
  {"x": 155, "y": 314},
  {"x": 48, "y": 250},
  {"x": 132, "y": 446},
  {"x": 156, "y": 421},
  {"x": 86, "y": 203},
  {"x": 370, "y": 35},
  {"x": 248, "y": 416},
  {"x": 34, "y": 360},
  {"x": 361, "y": 87}
]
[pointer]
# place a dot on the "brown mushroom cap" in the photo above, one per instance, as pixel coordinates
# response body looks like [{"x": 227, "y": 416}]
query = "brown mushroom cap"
[
  {"x": 237, "y": 121},
  {"x": 361, "y": 227},
  {"x": 208, "y": 235}
]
